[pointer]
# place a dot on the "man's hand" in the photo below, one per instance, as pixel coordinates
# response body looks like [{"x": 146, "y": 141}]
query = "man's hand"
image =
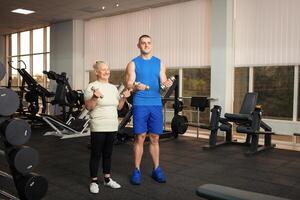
[
  {"x": 140, "y": 86},
  {"x": 168, "y": 83}
]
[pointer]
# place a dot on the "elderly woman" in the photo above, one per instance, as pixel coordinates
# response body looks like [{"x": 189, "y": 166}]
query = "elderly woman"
[{"x": 102, "y": 99}]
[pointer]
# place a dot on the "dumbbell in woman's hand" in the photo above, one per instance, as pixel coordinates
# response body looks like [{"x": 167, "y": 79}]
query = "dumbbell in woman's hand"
[
  {"x": 125, "y": 93},
  {"x": 97, "y": 93}
]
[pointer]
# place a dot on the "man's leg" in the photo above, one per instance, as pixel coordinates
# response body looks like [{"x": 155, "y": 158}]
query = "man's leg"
[
  {"x": 138, "y": 149},
  {"x": 140, "y": 116},
  {"x": 155, "y": 127},
  {"x": 154, "y": 149}
]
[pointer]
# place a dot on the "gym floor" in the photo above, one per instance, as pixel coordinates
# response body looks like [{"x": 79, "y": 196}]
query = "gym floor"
[{"x": 65, "y": 164}]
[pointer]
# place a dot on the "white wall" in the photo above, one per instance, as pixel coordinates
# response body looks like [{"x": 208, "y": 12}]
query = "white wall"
[
  {"x": 267, "y": 32},
  {"x": 180, "y": 33},
  {"x": 222, "y": 54},
  {"x": 78, "y": 54},
  {"x": 61, "y": 48},
  {"x": 201, "y": 34},
  {"x": 67, "y": 51}
]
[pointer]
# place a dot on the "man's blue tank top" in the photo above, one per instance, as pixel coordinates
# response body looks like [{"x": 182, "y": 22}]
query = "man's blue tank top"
[{"x": 148, "y": 73}]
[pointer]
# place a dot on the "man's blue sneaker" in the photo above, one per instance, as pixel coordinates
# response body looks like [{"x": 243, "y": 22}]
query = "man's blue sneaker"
[
  {"x": 158, "y": 175},
  {"x": 136, "y": 177}
]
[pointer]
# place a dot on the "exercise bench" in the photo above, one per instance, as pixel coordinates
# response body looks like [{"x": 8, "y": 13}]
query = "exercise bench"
[{"x": 219, "y": 192}]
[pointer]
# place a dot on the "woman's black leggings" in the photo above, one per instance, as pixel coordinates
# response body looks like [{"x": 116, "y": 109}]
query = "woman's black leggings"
[{"x": 101, "y": 145}]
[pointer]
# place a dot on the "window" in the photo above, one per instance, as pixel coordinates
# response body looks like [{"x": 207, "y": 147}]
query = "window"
[
  {"x": 38, "y": 40},
  {"x": 241, "y": 86},
  {"x": 25, "y": 45},
  {"x": 33, "y": 48},
  {"x": 117, "y": 77},
  {"x": 298, "y": 113},
  {"x": 275, "y": 87},
  {"x": 169, "y": 73},
  {"x": 195, "y": 82},
  {"x": 14, "y": 44}
]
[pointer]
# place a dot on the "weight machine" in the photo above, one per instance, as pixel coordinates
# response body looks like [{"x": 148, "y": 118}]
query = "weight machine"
[
  {"x": 31, "y": 93},
  {"x": 65, "y": 96},
  {"x": 248, "y": 120}
]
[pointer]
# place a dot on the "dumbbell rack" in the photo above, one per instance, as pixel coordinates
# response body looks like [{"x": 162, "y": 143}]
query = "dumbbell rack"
[{"x": 14, "y": 133}]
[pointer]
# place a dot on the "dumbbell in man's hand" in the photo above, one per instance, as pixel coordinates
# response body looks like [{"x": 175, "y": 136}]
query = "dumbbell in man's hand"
[
  {"x": 140, "y": 86},
  {"x": 168, "y": 83}
]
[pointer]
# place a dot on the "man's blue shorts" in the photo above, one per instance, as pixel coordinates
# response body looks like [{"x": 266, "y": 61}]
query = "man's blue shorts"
[{"x": 147, "y": 119}]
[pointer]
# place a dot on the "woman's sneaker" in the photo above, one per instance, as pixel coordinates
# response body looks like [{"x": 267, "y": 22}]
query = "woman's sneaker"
[
  {"x": 113, "y": 184},
  {"x": 94, "y": 188}
]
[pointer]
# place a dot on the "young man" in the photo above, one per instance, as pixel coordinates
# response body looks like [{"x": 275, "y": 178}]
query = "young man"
[{"x": 149, "y": 72}]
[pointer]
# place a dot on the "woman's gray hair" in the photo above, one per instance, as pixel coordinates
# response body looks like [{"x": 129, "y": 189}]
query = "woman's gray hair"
[{"x": 98, "y": 63}]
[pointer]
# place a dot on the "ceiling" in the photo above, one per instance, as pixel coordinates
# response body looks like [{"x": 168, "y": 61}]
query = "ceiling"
[{"x": 53, "y": 11}]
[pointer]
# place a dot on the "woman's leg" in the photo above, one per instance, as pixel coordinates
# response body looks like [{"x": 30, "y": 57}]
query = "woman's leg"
[{"x": 97, "y": 142}]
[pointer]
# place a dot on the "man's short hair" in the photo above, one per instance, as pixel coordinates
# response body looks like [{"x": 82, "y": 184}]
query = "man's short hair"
[{"x": 144, "y": 36}]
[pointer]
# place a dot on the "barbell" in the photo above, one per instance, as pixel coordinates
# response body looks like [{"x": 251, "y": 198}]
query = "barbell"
[{"x": 180, "y": 124}]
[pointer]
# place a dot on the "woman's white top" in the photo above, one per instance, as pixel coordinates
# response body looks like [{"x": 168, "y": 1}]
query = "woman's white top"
[{"x": 104, "y": 117}]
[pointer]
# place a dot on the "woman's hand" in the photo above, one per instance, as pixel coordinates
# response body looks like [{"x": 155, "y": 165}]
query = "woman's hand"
[
  {"x": 126, "y": 93},
  {"x": 97, "y": 93}
]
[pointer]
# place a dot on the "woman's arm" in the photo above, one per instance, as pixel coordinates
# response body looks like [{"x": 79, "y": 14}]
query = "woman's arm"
[
  {"x": 90, "y": 104},
  {"x": 125, "y": 94}
]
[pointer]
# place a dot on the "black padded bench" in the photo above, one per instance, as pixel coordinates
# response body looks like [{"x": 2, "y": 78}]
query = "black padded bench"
[
  {"x": 296, "y": 134},
  {"x": 219, "y": 192}
]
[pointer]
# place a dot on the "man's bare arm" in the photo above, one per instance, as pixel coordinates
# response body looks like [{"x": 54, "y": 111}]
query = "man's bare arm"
[
  {"x": 162, "y": 74},
  {"x": 163, "y": 77},
  {"x": 130, "y": 75}
]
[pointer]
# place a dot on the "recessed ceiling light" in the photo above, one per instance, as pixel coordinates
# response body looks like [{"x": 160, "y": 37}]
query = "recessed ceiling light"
[
  {"x": 117, "y": 5},
  {"x": 103, "y": 7},
  {"x": 23, "y": 11}
]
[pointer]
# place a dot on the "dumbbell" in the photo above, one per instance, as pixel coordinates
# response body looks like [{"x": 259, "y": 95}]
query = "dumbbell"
[
  {"x": 2, "y": 71},
  {"x": 121, "y": 88},
  {"x": 94, "y": 90},
  {"x": 29, "y": 187},
  {"x": 138, "y": 83},
  {"x": 15, "y": 131},
  {"x": 23, "y": 159},
  {"x": 9, "y": 102},
  {"x": 163, "y": 87}
]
